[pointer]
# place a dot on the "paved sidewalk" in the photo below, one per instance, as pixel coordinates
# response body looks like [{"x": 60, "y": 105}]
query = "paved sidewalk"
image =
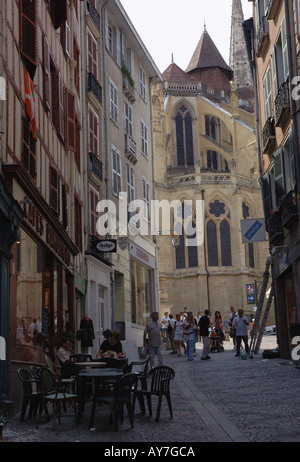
[{"x": 224, "y": 399}]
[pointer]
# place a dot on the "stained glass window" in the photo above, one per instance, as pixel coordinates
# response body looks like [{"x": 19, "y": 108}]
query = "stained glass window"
[
  {"x": 212, "y": 244},
  {"x": 225, "y": 243}
]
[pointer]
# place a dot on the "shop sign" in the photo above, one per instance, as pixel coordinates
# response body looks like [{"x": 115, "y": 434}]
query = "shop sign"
[
  {"x": 36, "y": 220},
  {"x": 107, "y": 246},
  {"x": 80, "y": 283},
  {"x": 142, "y": 255}
]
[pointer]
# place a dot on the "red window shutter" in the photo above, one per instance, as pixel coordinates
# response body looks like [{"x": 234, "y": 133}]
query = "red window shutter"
[
  {"x": 64, "y": 206},
  {"x": 93, "y": 133},
  {"x": 47, "y": 80},
  {"x": 29, "y": 150},
  {"x": 78, "y": 150},
  {"x": 92, "y": 55},
  {"x": 61, "y": 110},
  {"x": 54, "y": 191},
  {"x": 55, "y": 97},
  {"x": 78, "y": 224},
  {"x": 58, "y": 12},
  {"x": 71, "y": 139},
  {"x": 77, "y": 68},
  {"x": 28, "y": 33}
]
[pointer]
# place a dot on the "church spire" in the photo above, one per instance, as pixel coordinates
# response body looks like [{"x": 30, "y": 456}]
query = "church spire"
[{"x": 239, "y": 60}]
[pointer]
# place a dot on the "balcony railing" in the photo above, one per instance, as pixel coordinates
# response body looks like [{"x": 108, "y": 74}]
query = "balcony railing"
[
  {"x": 269, "y": 136},
  {"x": 129, "y": 90},
  {"x": 262, "y": 36},
  {"x": 94, "y": 87},
  {"x": 96, "y": 166},
  {"x": 274, "y": 228},
  {"x": 94, "y": 15},
  {"x": 289, "y": 209},
  {"x": 130, "y": 149},
  {"x": 282, "y": 105}
]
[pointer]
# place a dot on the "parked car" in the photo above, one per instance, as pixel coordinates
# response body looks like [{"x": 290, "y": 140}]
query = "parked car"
[{"x": 270, "y": 330}]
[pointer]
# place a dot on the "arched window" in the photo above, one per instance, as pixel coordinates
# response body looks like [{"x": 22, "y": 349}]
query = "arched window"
[
  {"x": 212, "y": 244},
  {"x": 184, "y": 137},
  {"x": 212, "y": 128},
  {"x": 216, "y": 162},
  {"x": 225, "y": 243},
  {"x": 192, "y": 247}
]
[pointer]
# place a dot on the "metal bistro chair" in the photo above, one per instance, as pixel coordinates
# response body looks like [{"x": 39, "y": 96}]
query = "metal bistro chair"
[
  {"x": 68, "y": 383},
  {"x": 123, "y": 394},
  {"x": 53, "y": 392},
  {"x": 30, "y": 397},
  {"x": 160, "y": 386}
]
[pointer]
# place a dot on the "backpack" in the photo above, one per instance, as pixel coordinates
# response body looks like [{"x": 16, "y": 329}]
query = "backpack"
[{"x": 170, "y": 328}]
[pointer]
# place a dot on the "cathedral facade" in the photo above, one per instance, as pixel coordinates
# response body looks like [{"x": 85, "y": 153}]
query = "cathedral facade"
[{"x": 206, "y": 152}]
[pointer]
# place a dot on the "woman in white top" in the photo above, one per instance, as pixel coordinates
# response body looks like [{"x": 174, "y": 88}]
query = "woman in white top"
[
  {"x": 178, "y": 335},
  {"x": 188, "y": 335}
]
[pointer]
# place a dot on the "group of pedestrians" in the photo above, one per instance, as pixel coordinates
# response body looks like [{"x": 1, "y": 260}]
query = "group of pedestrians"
[{"x": 183, "y": 332}]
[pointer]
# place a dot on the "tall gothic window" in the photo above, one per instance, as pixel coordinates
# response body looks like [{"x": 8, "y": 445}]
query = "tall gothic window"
[
  {"x": 225, "y": 243},
  {"x": 212, "y": 128},
  {"x": 184, "y": 137},
  {"x": 187, "y": 250},
  {"x": 212, "y": 244},
  {"x": 218, "y": 235}
]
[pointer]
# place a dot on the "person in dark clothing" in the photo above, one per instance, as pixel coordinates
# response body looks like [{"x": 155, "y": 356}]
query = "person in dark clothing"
[
  {"x": 204, "y": 325},
  {"x": 111, "y": 346}
]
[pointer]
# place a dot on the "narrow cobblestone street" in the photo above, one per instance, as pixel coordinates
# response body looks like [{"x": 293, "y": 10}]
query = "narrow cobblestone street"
[{"x": 221, "y": 400}]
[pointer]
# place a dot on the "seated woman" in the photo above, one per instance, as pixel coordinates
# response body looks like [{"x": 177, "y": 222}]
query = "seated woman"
[{"x": 111, "y": 347}]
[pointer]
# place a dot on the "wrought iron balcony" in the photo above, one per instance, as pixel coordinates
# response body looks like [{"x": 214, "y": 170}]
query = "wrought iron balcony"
[
  {"x": 273, "y": 8},
  {"x": 94, "y": 15},
  {"x": 283, "y": 105},
  {"x": 269, "y": 136},
  {"x": 274, "y": 228},
  {"x": 96, "y": 166},
  {"x": 262, "y": 37},
  {"x": 94, "y": 87},
  {"x": 289, "y": 209}
]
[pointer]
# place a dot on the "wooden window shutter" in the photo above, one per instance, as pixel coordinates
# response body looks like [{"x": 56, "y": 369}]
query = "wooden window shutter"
[
  {"x": 76, "y": 56},
  {"x": 55, "y": 97},
  {"x": 64, "y": 206},
  {"x": 71, "y": 139},
  {"x": 47, "y": 72},
  {"x": 78, "y": 224},
  {"x": 28, "y": 34},
  {"x": 78, "y": 150},
  {"x": 61, "y": 105},
  {"x": 54, "y": 191},
  {"x": 29, "y": 150},
  {"x": 58, "y": 12}
]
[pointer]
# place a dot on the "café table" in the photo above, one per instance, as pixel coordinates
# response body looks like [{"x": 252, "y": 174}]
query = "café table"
[{"x": 107, "y": 375}]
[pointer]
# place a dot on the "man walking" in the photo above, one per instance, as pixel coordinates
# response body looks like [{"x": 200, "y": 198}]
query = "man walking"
[
  {"x": 241, "y": 324},
  {"x": 204, "y": 325},
  {"x": 154, "y": 330}
]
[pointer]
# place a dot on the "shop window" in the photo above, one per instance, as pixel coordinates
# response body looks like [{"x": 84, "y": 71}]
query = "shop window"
[
  {"x": 29, "y": 290},
  {"x": 142, "y": 292}
]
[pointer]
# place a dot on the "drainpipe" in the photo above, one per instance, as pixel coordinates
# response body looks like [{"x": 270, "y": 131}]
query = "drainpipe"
[{"x": 106, "y": 150}]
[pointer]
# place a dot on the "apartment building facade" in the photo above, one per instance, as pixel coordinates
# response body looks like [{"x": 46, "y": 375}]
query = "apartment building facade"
[
  {"x": 275, "y": 49},
  {"x": 40, "y": 158},
  {"x": 122, "y": 285}
]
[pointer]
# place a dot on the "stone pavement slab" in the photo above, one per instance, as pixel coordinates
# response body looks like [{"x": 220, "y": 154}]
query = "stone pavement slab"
[{"x": 224, "y": 399}]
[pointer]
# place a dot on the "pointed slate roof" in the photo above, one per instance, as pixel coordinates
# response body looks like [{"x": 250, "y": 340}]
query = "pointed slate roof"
[
  {"x": 207, "y": 55},
  {"x": 175, "y": 74}
]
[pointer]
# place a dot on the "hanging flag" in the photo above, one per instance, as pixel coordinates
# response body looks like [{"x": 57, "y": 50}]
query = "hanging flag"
[{"x": 30, "y": 102}]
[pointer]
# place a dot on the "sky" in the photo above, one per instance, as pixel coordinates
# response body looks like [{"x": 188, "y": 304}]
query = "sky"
[{"x": 174, "y": 26}]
